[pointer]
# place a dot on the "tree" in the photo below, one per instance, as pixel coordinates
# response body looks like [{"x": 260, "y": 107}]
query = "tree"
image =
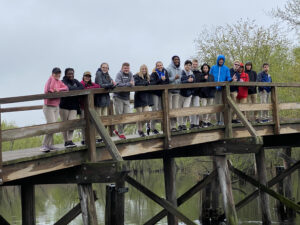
[
  {"x": 246, "y": 41},
  {"x": 290, "y": 13}
]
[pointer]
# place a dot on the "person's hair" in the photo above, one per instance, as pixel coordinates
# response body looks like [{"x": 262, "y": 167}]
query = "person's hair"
[
  {"x": 236, "y": 61},
  {"x": 265, "y": 64},
  {"x": 104, "y": 64},
  {"x": 188, "y": 62},
  {"x": 205, "y": 64},
  {"x": 175, "y": 56},
  {"x": 147, "y": 72},
  {"x": 156, "y": 65},
  {"x": 89, "y": 82},
  {"x": 125, "y": 64},
  {"x": 68, "y": 69},
  {"x": 195, "y": 60}
]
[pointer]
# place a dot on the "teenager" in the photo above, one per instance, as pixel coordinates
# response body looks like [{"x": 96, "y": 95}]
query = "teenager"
[
  {"x": 264, "y": 92},
  {"x": 102, "y": 101},
  {"x": 50, "y": 108},
  {"x": 159, "y": 76},
  {"x": 187, "y": 76},
  {"x": 122, "y": 99},
  {"x": 242, "y": 91},
  {"x": 69, "y": 106},
  {"x": 252, "y": 91},
  {"x": 221, "y": 73},
  {"x": 207, "y": 94},
  {"x": 174, "y": 72},
  {"x": 142, "y": 99},
  {"x": 195, "y": 102},
  {"x": 234, "y": 72},
  {"x": 87, "y": 84}
]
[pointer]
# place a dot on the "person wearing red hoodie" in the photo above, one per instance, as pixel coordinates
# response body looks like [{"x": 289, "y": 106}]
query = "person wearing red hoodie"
[
  {"x": 87, "y": 84},
  {"x": 50, "y": 108},
  {"x": 242, "y": 91}
]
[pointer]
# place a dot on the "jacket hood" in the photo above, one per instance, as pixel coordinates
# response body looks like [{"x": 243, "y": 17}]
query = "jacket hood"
[
  {"x": 205, "y": 64},
  {"x": 172, "y": 62},
  {"x": 220, "y": 57},
  {"x": 248, "y": 63}
]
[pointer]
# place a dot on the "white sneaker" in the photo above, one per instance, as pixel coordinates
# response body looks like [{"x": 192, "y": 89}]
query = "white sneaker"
[{"x": 45, "y": 149}]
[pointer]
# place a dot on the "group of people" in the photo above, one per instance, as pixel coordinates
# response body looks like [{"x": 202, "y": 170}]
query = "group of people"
[{"x": 68, "y": 107}]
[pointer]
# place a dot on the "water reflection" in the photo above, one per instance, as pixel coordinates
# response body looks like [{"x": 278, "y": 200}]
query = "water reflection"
[{"x": 53, "y": 201}]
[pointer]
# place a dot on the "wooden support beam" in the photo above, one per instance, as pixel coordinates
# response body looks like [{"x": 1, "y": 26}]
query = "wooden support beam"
[
  {"x": 1, "y": 174},
  {"x": 120, "y": 201},
  {"x": 244, "y": 120},
  {"x": 162, "y": 202},
  {"x": 184, "y": 197},
  {"x": 87, "y": 203},
  {"x": 215, "y": 187},
  {"x": 28, "y": 204},
  {"x": 206, "y": 203},
  {"x": 170, "y": 185},
  {"x": 166, "y": 119},
  {"x": 276, "y": 119},
  {"x": 227, "y": 112},
  {"x": 265, "y": 189},
  {"x": 110, "y": 145},
  {"x": 3, "y": 221},
  {"x": 90, "y": 132},
  {"x": 110, "y": 205},
  {"x": 225, "y": 184},
  {"x": 280, "y": 207}
]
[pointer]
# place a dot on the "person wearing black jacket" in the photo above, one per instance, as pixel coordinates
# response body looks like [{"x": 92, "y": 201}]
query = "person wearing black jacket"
[
  {"x": 195, "y": 102},
  {"x": 159, "y": 76},
  {"x": 252, "y": 91},
  {"x": 207, "y": 94},
  {"x": 234, "y": 89},
  {"x": 69, "y": 106},
  {"x": 142, "y": 99}
]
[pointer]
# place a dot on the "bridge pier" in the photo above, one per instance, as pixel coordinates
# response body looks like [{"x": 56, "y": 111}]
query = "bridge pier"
[
  {"x": 262, "y": 177},
  {"x": 28, "y": 204},
  {"x": 120, "y": 201},
  {"x": 205, "y": 197}
]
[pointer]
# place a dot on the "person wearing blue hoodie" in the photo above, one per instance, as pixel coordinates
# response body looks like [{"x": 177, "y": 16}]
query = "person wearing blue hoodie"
[
  {"x": 174, "y": 71},
  {"x": 221, "y": 73},
  {"x": 264, "y": 92}
]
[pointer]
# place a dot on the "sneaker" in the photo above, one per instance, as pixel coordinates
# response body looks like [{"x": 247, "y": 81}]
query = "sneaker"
[
  {"x": 201, "y": 123},
  {"x": 122, "y": 136},
  {"x": 173, "y": 130},
  {"x": 192, "y": 126},
  {"x": 70, "y": 144},
  {"x": 257, "y": 120},
  {"x": 155, "y": 131},
  {"x": 52, "y": 147},
  {"x": 209, "y": 124},
  {"x": 83, "y": 142},
  {"x": 99, "y": 140},
  {"x": 204, "y": 124},
  {"x": 220, "y": 123},
  {"x": 234, "y": 121},
  {"x": 45, "y": 149},
  {"x": 148, "y": 130},
  {"x": 179, "y": 128},
  {"x": 184, "y": 127},
  {"x": 141, "y": 133}
]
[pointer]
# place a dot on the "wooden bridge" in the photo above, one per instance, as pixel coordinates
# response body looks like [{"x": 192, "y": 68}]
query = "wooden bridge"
[{"x": 104, "y": 163}]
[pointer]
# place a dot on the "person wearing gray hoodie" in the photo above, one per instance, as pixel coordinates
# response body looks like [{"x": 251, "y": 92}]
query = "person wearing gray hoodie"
[
  {"x": 174, "y": 71},
  {"x": 122, "y": 99}
]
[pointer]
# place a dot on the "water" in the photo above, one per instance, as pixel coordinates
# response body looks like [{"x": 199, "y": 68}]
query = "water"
[{"x": 53, "y": 201}]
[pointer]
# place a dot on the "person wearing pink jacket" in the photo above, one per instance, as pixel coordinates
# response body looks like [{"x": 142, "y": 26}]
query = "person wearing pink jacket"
[
  {"x": 87, "y": 84},
  {"x": 51, "y": 105}
]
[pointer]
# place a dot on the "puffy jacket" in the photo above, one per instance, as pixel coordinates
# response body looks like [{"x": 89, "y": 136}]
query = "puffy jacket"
[
  {"x": 71, "y": 103},
  {"x": 243, "y": 91},
  {"x": 172, "y": 71},
  {"x": 187, "y": 92},
  {"x": 156, "y": 80},
  {"x": 252, "y": 78},
  {"x": 220, "y": 73},
  {"x": 142, "y": 98},
  {"x": 105, "y": 81}
]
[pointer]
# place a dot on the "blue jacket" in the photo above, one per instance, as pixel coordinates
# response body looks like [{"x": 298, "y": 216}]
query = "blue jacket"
[
  {"x": 220, "y": 73},
  {"x": 264, "y": 77}
]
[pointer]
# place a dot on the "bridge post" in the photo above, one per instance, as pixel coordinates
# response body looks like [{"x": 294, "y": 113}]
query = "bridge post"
[
  {"x": 215, "y": 195},
  {"x": 262, "y": 178},
  {"x": 226, "y": 188},
  {"x": 166, "y": 119},
  {"x": 227, "y": 112},
  {"x": 87, "y": 203},
  {"x": 1, "y": 179},
  {"x": 275, "y": 106},
  {"x": 28, "y": 204},
  {"x": 110, "y": 205},
  {"x": 206, "y": 200},
  {"x": 280, "y": 206},
  {"x": 120, "y": 201},
  {"x": 170, "y": 185}
]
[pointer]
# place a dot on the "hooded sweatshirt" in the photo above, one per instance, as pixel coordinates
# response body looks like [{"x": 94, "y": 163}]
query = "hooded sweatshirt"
[
  {"x": 252, "y": 78},
  {"x": 264, "y": 77},
  {"x": 50, "y": 87},
  {"x": 104, "y": 81},
  {"x": 172, "y": 71},
  {"x": 207, "y": 92},
  {"x": 220, "y": 73},
  {"x": 123, "y": 80}
]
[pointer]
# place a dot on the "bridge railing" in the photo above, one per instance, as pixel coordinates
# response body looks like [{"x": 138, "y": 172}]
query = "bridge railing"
[{"x": 164, "y": 115}]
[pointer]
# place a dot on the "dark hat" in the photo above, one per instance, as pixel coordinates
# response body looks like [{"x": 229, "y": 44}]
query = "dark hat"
[
  {"x": 87, "y": 73},
  {"x": 241, "y": 65},
  {"x": 56, "y": 70}
]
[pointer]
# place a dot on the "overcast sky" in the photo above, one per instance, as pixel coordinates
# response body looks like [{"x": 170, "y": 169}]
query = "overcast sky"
[{"x": 39, "y": 35}]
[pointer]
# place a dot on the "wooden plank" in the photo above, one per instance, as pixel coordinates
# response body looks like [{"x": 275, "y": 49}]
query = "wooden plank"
[
  {"x": 226, "y": 188},
  {"x": 50, "y": 128},
  {"x": 90, "y": 132},
  {"x": 87, "y": 203},
  {"x": 244, "y": 120},
  {"x": 195, "y": 111},
  {"x": 162, "y": 202},
  {"x": 184, "y": 197},
  {"x": 3, "y": 221},
  {"x": 276, "y": 119},
  {"x": 263, "y": 188},
  {"x": 227, "y": 112},
  {"x": 28, "y": 204},
  {"x": 289, "y": 105},
  {"x": 21, "y": 108},
  {"x": 110, "y": 145},
  {"x": 166, "y": 119},
  {"x": 254, "y": 107},
  {"x": 170, "y": 185}
]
